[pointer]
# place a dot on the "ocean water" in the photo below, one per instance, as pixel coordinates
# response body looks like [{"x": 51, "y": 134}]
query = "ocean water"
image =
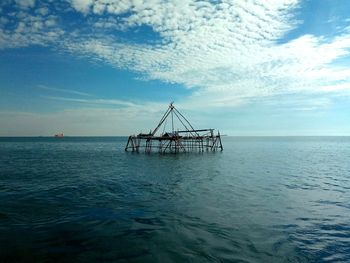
[{"x": 263, "y": 199}]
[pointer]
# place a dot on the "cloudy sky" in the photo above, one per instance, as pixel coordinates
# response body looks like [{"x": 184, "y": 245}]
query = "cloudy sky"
[{"x": 111, "y": 67}]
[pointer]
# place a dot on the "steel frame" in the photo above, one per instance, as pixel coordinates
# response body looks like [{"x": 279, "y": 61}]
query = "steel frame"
[{"x": 187, "y": 140}]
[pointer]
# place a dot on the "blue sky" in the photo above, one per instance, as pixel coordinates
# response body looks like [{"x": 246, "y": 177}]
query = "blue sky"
[{"x": 108, "y": 67}]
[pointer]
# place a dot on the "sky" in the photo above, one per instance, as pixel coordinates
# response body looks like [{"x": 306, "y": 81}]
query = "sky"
[{"x": 111, "y": 67}]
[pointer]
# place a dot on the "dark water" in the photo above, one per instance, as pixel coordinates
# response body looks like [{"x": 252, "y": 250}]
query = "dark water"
[{"x": 261, "y": 200}]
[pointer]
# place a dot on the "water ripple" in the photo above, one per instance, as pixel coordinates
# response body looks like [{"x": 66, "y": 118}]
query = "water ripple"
[{"x": 261, "y": 200}]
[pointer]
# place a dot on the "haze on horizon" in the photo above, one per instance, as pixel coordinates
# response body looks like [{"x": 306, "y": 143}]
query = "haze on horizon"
[{"x": 111, "y": 67}]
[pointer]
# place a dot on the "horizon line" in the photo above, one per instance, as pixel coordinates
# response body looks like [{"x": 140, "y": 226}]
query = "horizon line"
[{"x": 224, "y": 135}]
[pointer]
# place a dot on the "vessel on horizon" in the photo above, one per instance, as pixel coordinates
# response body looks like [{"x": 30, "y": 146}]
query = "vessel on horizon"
[{"x": 59, "y": 135}]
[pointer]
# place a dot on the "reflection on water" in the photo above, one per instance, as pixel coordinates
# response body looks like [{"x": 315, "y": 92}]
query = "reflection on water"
[{"x": 261, "y": 200}]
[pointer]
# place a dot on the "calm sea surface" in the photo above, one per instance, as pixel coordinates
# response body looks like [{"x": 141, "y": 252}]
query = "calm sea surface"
[{"x": 260, "y": 200}]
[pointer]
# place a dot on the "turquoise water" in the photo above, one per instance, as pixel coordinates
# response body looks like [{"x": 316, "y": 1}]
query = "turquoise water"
[{"x": 272, "y": 199}]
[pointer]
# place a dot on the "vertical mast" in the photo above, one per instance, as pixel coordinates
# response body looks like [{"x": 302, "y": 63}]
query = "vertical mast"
[{"x": 172, "y": 117}]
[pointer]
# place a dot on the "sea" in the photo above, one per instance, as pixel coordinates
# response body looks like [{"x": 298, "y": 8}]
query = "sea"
[{"x": 262, "y": 199}]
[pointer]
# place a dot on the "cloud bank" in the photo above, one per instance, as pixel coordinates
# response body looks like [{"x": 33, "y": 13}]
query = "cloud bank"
[{"x": 229, "y": 52}]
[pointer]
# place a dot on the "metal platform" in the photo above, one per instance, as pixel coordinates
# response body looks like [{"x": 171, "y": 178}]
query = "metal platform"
[{"x": 187, "y": 139}]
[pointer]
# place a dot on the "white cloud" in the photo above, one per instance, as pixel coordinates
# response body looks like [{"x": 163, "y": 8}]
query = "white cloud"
[
  {"x": 337, "y": 87},
  {"x": 25, "y": 3},
  {"x": 82, "y": 5},
  {"x": 103, "y": 102},
  {"x": 22, "y": 28},
  {"x": 227, "y": 50},
  {"x": 69, "y": 91},
  {"x": 43, "y": 11}
]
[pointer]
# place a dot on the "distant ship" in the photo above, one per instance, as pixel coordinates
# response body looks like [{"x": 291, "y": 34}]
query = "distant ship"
[{"x": 59, "y": 135}]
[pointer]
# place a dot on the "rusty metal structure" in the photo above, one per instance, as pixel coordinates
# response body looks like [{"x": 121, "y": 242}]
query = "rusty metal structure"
[{"x": 186, "y": 139}]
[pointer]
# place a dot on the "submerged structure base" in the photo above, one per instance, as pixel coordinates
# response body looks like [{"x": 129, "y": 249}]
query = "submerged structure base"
[{"x": 174, "y": 144}]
